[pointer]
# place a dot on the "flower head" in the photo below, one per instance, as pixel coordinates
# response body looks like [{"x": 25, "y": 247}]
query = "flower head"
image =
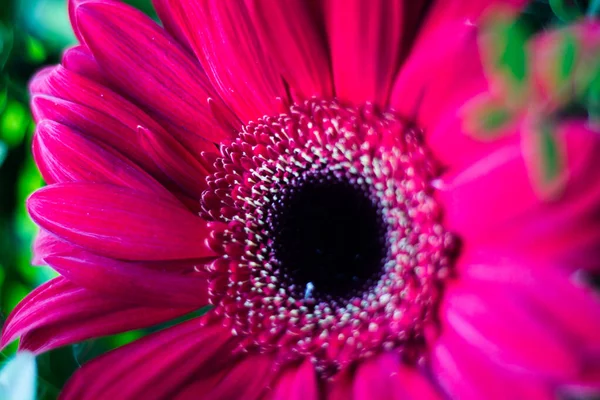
[{"x": 304, "y": 168}]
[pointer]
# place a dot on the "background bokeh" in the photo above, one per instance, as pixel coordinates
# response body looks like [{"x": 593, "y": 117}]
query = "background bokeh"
[{"x": 33, "y": 33}]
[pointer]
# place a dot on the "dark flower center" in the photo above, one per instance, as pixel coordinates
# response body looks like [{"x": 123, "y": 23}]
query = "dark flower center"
[{"x": 329, "y": 237}]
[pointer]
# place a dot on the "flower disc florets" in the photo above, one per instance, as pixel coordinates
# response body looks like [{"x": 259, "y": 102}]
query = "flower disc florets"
[{"x": 329, "y": 236}]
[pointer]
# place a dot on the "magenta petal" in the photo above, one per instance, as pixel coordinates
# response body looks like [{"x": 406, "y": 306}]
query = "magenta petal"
[
  {"x": 64, "y": 155},
  {"x": 443, "y": 11},
  {"x": 120, "y": 222},
  {"x": 295, "y": 44},
  {"x": 88, "y": 107},
  {"x": 59, "y": 313},
  {"x": 476, "y": 200},
  {"x": 464, "y": 375},
  {"x": 81, "y": 61},
  {"x": 175, "y": 161},
  {"x": 424, "y": 91},
  {"x": 485, "y": 318},
  {"x": 224, "y": 40},
  {"x": 573, "y": 307},
  {"x": 366, "y": 43},
  {"x": 167, "y": 81},
  {"x": 341, "y": 387},
  {"x": 157, "y": 366},
  {"x": 248, "y": 378},
  {"x": 378, "y": 378},
  {"x": 130, "y": 281},
  {"x": 415, "y": 386},
  {"x": 46, "y": 243},
  {"x": 170, "y": 23},
  {"x": 298, "y": 383}
]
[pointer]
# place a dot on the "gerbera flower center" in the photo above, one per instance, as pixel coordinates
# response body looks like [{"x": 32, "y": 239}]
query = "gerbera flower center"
[{"x": 329, "y": 236}]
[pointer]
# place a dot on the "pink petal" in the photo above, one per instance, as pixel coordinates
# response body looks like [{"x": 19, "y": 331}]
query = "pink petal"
[
  {"x": 119, "y": 222},
  {"x": 88, "y": 107},
  {"x": 415, "y": 386},
  {"x": 443, "y": 11},
  {"x": 341, "y": 387},
  {"x": 486, "y": 317},
  {"x": 298, "y": 383},
  {"x": 377, "y": 378},
  {"x": 296, "y": 45},
  {"x": 567, "y": 229},
  {"x": 81, "y": 61},
  {"x": 170, "y": 23},
  {"x": 557, "y": 297},
  {"x": 156, "y": 366},
  {"x": 167, "y": 81},
  {"x": 46, "y": 243},
  {"x": 59, "y": 313},
  {"x": 477, "y": 199},
  {"x": 464, "y": 375},
  {"x": 175, "y": 161},
  {"x": 224, "y": 40},
  {"x": 131, "y": 282},
  {"x": 249, "y": 378},
  {"x": 366, "y": 40},
  {"x": 64, "y": 155},
  {"x": 425, "y": 92},
  {"x": 453, "y": 147}
]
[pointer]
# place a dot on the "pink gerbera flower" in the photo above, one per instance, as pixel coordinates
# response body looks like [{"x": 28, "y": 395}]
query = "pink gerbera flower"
[{"x": 303, "y": 168}]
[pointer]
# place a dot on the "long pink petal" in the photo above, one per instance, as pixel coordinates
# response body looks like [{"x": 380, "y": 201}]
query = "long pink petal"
[
  {"x": 45, "y": 244},
  {"x": 170, "y": 23},
  {"x": 227, "y": 46},
  {"x": 156, "y": 366},
  {"x": 443, "y": 11},
  {"x": 65, "y": 155},
  {"x": 486, "y": 318},
  {"x": 366, "y": 44},
  {"x": 477, "y": 199},
  {"x": 341, "y": 387},
  {"x": 176, "y": 162},
  {"x": 167, "y": 82},
  {"x": 81, "y": 61},
  {"x": 415, "y": 385},
  {"x": 558, "y": 298},
  {"x": 424, "y": 91},
  {"x": 120, "y": 222},
  {"x": 377, "y": 378},
  {"x": 59, "y": 313},
  {"x": 298, "y": 383},
  {"x": 464, "y": 375},
  {"x": 296, "y": 44},
  {"x": 247, "y": 378},
  {"x": 130, "y": 281}
]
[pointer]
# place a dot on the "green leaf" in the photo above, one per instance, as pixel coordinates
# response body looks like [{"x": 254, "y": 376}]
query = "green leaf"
[
  {"x": 487, "y": 118},
  {"x": 565, "y": 10},
  {"x": 569, "y": 51},
  {"x": 6, "y": 41},
  {"x": 503, "y": 47},
  {"x": 549, "y": 153},
  {"x": 13, "y": 123}
]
